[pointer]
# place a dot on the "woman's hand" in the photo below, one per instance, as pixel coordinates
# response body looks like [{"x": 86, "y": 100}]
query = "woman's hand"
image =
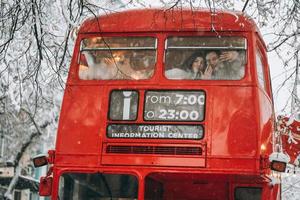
[{"x": 207, "y": 73}]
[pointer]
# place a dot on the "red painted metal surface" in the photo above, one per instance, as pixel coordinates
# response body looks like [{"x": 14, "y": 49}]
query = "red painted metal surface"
[
  {"x": 155, "y": 20},
  {"x": 238, "y": 114}
]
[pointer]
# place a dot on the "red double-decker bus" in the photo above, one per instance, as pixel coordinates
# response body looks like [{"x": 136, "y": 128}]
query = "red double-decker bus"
[{"x": 165, "y": 105}]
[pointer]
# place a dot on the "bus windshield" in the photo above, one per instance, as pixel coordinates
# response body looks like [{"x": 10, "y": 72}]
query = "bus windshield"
[
  {"x": 82, "y": 186},
  {"x": 111, "y": 58},
  {"x": 209, "y": 58}
]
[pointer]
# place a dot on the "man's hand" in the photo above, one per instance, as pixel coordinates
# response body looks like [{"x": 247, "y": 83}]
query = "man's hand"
[{"x": 229, "y": 56}]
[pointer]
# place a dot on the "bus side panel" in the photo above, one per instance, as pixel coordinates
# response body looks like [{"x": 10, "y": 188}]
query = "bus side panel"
[
  {"x": 80, "y": 121},
  {"x": 267, "y": 121},
  {"x": 234, "y": 124}
]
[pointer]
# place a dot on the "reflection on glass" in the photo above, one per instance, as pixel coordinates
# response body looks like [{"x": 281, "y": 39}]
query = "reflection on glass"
[
  {"x": 248, "y": 193},
  {"x": 210, "y": 58},
  {"x": 216, "y": 42},
  {"x": 112, "y": 58},
  {"x": 118, "y": 42},
  {"x": 260, "y": 70},
  {"x": 154, "y": 189},
  {"x": 81, "y": 186}
]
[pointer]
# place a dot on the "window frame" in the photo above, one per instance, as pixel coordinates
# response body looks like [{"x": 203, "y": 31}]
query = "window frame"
[
  {"x": 259, "y": 47},
  {"x": 261, "y": 82}
]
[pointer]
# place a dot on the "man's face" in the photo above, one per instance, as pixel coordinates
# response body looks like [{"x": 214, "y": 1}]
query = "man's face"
[{"x": 212, "y": 59}]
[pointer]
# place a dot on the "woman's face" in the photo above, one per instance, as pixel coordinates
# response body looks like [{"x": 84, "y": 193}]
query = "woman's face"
[{"x": 198, "y": 64}]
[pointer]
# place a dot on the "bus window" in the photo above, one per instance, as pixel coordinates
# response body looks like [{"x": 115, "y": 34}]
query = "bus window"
[
  {"x": 210, "y": 58},
  {"x": 260, "y": 70},
  {"x": 111, "y": 58},
  {"x": 247, "y": 193},
  {"x": 153, "y": 189},
  {"x": 81, "y": 186}
]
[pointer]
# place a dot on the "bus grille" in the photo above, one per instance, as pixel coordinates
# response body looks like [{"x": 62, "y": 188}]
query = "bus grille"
[{"x": 160, "y": 150}]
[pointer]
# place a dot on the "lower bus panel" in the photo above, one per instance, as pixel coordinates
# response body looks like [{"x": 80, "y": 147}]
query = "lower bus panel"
[{"x": 163, "y": 186}]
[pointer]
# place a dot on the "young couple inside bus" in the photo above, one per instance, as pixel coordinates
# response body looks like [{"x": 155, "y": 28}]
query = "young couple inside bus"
[{"x": 210, "y": 64}]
